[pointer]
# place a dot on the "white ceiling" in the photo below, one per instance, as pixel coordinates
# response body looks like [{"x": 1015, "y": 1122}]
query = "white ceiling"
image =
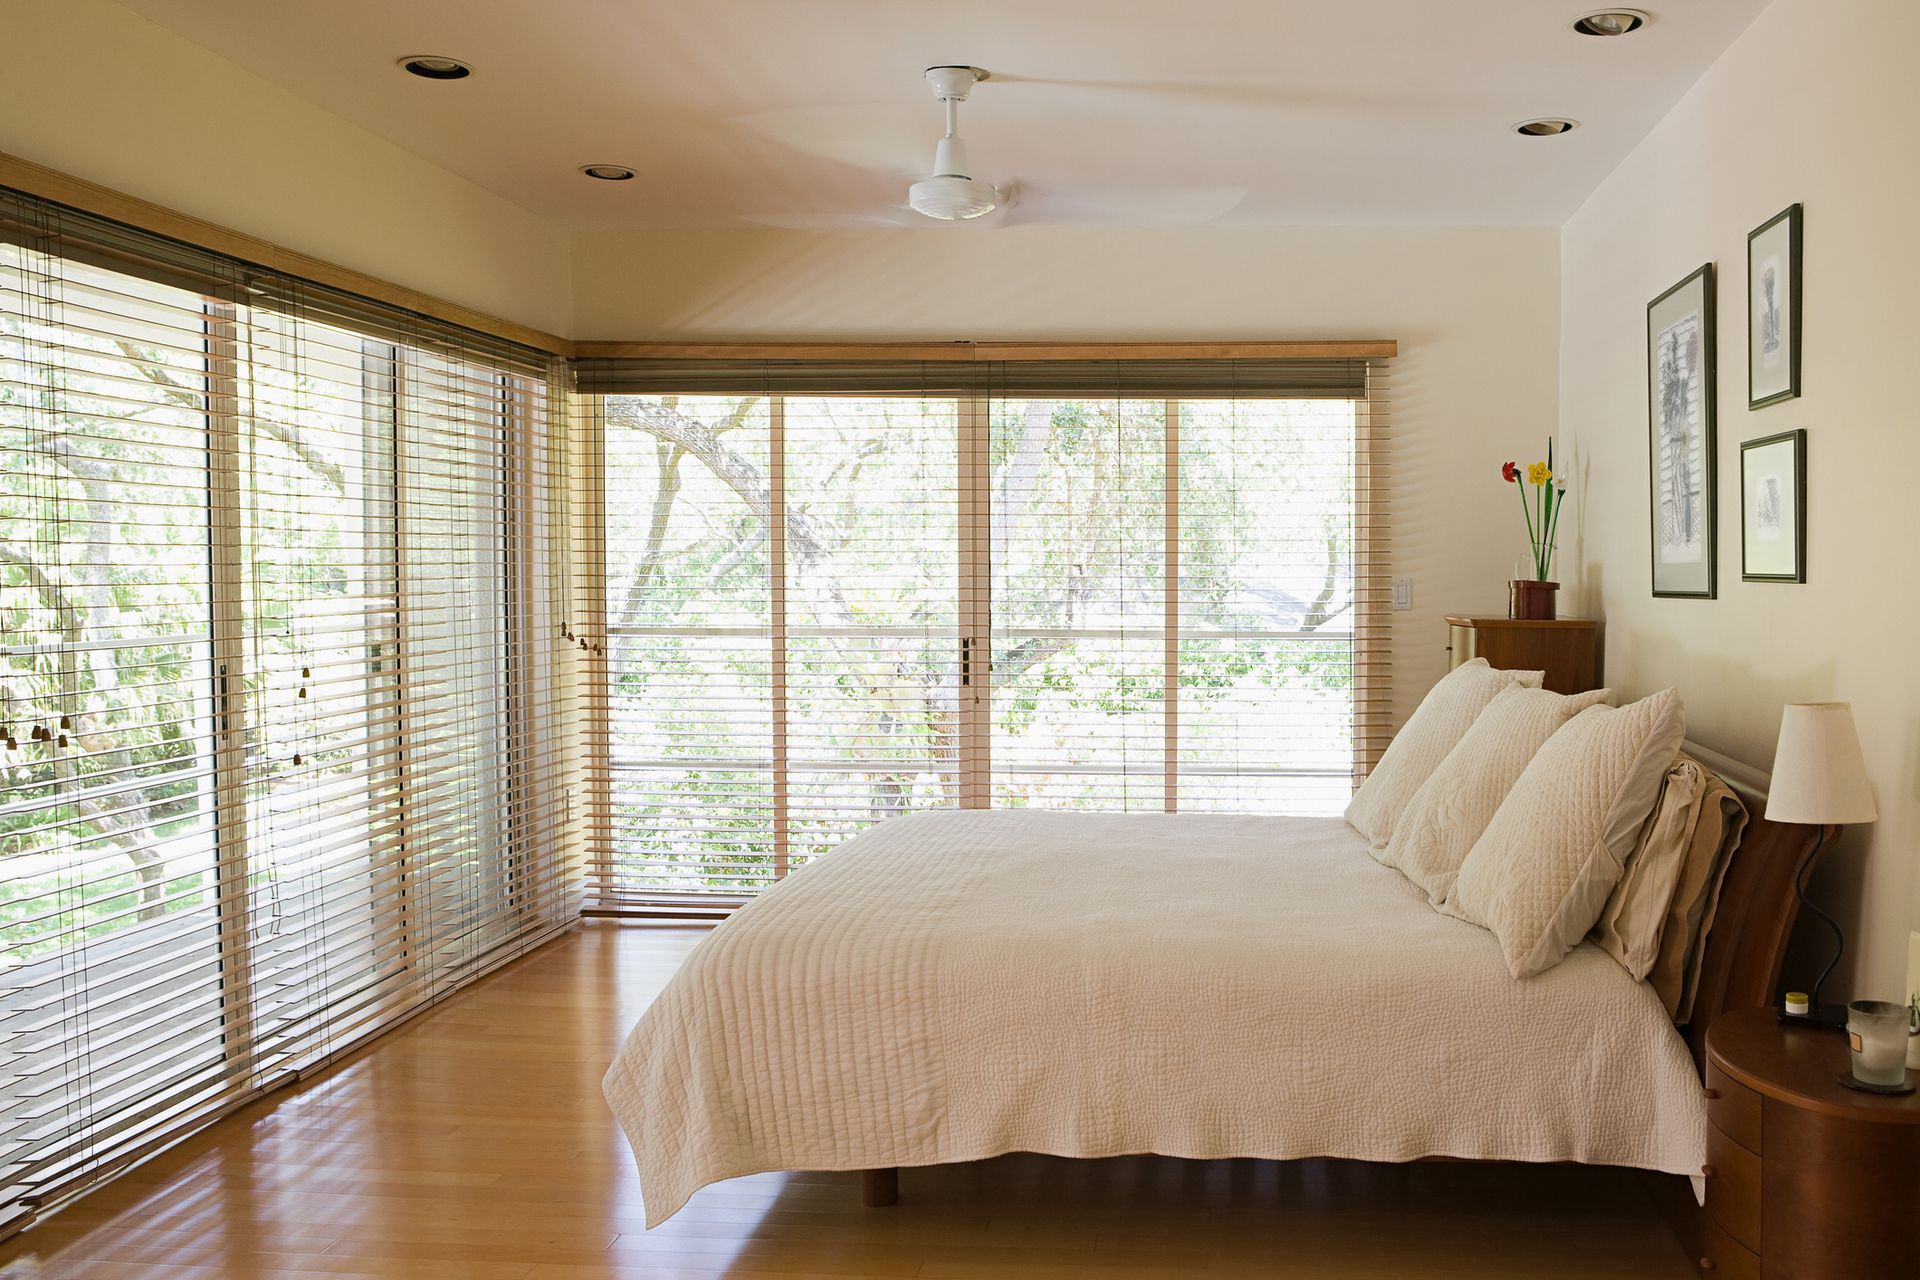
[{"x": 813, "y": 112}]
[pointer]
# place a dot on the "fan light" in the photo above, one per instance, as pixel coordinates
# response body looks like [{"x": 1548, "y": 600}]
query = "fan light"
[
  {"x": 953, "y": 193},
  {"x": 951, "y": 197}
]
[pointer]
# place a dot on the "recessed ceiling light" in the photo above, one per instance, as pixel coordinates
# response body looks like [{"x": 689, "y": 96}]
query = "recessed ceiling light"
[
  {"x": 607, "y": 172},
  {"x": 1609, "y": 22},
  {"x": 431, "y": 66},
  {"x": 1545, "y": 127}
]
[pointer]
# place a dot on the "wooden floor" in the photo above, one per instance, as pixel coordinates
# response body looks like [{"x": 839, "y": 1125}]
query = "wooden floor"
[{"x": 473, "y": 1144}]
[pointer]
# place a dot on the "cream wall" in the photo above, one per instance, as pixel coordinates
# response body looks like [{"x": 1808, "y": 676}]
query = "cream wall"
[
  {"x": 1816, "y": 102},
  {"x": 93, "y": 90},
  {"x": 1475, "y": 311}
]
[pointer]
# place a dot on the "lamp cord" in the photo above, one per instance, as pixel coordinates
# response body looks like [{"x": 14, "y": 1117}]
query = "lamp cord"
[{"x": 1800, "y": 892}]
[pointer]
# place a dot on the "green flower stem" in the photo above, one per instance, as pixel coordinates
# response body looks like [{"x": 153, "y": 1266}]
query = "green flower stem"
[
  {"x": 1550, "y": 519},
  {"x": 1540, "y": 503},
  {"x": 1526, "y": 510},
  {"x": 1553, "y": 530}
]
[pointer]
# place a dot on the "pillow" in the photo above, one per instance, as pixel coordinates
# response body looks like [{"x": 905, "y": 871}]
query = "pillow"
[
  {"x": 1683, "y": 943},
  {"x": 1433, "y": 729},
  {"x": 1453, "y": 806},
  {"x": 1635, "y": 916},
  {"x": 1541, "y": 872}
]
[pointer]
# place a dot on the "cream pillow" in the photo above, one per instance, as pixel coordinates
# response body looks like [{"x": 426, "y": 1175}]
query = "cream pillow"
[
  {"x": 1541, "y": 872},
  {"x": 1636, "y": 913},
  {"x": 1442, "y": 717},
  {"x": 1453, "y": 806}
]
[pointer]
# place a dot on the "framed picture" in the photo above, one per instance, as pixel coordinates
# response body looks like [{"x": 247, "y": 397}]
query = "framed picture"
[
  {"x": 1680, "y": 398},
  {"x": 1773, "y": 508},
  {"x": 1773, "y": 309}
]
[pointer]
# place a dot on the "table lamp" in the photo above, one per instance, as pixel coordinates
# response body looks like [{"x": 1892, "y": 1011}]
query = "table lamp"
[{"x": 1819, "y": 779}]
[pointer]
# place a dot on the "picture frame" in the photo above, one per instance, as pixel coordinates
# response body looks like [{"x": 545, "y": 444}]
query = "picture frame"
[
  {"x": 1681, "y": 390},
  {"x": 1773, "y": 309},
  {"x": 1773, "y": 508}
]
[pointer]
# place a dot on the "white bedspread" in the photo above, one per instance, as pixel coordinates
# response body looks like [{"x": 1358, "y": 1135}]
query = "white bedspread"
[{"x": 957, "y": 985}]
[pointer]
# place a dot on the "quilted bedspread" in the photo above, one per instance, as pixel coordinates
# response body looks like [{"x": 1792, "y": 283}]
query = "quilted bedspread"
[{"x": 957, "y": 985}]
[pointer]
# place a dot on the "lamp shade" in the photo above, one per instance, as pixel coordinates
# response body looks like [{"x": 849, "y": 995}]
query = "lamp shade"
[{"x": 1819, "y": 776}]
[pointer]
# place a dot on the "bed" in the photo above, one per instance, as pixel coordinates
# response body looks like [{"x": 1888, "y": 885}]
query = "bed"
[{"x": 957, "y": 985}]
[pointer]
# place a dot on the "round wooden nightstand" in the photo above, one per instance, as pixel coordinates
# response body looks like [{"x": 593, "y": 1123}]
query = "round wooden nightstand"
[{"x": 1805, "y": 1179}]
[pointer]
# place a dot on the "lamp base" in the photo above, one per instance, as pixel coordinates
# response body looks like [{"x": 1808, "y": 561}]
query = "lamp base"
[{"x": 1833, "y": 1017}]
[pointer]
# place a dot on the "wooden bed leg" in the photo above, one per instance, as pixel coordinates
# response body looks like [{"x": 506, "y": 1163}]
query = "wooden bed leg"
[{"x": 879, "y": 1188}]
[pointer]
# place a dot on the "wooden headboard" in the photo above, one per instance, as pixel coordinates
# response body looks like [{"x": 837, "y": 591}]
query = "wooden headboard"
[{"x": 1748, "y": 940}]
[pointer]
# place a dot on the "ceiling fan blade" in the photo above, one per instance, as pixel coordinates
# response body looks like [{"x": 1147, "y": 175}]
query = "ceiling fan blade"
[
  {"x": 1241, "y": 94},
  {"x": 876, "y": 136},
  {"x": 1144, "y": 205},
  {"x": 840, "y": 220}
]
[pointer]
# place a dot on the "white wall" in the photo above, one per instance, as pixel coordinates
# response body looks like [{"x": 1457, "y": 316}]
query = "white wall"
[
  {"x": 1475, "y": 311},
  {"x": 93, "y": 90},
  {"x": 1816, "y": 103}
]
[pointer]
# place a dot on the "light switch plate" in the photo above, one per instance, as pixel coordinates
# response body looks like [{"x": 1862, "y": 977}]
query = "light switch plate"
[{"x": 1402, "y": 594}]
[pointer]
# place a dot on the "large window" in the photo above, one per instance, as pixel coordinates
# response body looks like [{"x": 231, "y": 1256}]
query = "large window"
[
  {"x": 269, "y": 708},
  {"x": 825, "y": 610}
]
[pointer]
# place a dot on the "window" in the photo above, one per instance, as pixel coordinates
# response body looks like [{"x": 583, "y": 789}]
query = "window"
[
  {"x": 689, "y": 627},
  {"x": 824, "y": 610},
  {"x": 112, "y": 987},
  {"x": 271, "y": 691}
]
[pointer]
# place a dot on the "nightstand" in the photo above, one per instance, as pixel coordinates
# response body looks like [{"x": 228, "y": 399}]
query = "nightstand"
[
  {"x": 1805, "y": 1179},
  {"x": 1567, "y": 649}
]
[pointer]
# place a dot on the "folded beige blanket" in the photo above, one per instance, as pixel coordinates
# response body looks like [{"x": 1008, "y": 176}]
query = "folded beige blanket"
[{"x": 957, "y": 985}]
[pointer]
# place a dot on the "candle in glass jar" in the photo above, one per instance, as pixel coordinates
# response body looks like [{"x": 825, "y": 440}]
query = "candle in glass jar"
[
  {"x": 1913, "y": 1001},
  {"x": 1877, "y": 1034}
]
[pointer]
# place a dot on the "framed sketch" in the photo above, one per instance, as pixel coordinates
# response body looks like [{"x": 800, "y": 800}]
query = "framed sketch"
[
  {"x": 1680, "y": 398},
  {"x": 1773, "y": 309},
  {"x": 1773, "y": 508}
]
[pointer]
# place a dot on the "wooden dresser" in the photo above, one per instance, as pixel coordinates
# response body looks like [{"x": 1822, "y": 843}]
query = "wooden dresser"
[
  {"x": 1567, "y": 649},
  {"x": 1806, "y": 1180}
]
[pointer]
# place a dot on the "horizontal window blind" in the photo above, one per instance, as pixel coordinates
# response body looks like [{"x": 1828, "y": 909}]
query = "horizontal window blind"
[
  {"x": 1079, "y": 517},
  {"x": 112, "y": 990},
  {"x": 841, "y": 591},
  {"x": 281, "y": 681},
  {"x": 870, "y": 614},
  {"x": 689, "y": 640}
]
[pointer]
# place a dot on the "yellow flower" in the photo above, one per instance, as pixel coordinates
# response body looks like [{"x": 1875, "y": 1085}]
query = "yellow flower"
[{"x": 1538, "y": 473}]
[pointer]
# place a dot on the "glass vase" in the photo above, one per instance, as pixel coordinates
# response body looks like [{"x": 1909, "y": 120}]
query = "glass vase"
[{"x": 1530, "y": 597}]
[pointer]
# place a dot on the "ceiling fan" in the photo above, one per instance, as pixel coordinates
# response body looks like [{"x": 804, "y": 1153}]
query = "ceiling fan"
[{"x": 953, "y": 192}]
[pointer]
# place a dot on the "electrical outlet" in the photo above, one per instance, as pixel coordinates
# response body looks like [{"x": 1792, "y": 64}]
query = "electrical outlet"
[{"x": 1402, "y": 594}]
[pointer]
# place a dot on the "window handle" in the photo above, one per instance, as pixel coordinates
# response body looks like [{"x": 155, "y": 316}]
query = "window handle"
[{"x": 966, "y": 660}]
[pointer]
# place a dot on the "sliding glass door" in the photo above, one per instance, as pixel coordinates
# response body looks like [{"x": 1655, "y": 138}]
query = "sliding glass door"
[
  {"x": 828, "y": 610},
  {"x": 115, "y": 911},
  {"x": 1269, "y": 606},
  {"x": 783, "y": 628},
  {"x": 278, "y": 748},
  {"x": 317, "y": 576},
  {"x": 1078, "y": 532},
  {"x": 871, "y": 611},
  {"x": 689, "y": 519}
]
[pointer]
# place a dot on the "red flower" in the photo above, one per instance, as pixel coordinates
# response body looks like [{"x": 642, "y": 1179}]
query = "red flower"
[{"x": 1510, "y": 472}]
